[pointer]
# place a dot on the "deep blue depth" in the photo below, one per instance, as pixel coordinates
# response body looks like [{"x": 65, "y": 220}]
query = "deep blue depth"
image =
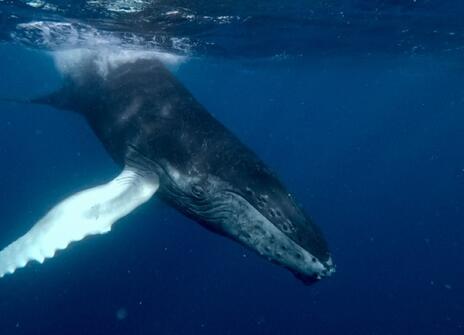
[{"x": 371, "y": 147}]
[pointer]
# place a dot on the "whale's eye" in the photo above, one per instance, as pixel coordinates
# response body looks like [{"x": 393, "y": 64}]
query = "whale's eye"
[{"x": 198, "y": 191}]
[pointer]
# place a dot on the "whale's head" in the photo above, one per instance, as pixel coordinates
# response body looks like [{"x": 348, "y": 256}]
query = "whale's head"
[{"x": 248, "y": 204}]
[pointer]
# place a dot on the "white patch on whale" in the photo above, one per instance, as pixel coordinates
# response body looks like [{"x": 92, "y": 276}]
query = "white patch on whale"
[{"x": 86, "y": 213}]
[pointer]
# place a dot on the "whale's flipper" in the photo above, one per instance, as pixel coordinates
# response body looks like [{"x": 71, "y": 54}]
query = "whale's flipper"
[{"x": 89, "y": 212}]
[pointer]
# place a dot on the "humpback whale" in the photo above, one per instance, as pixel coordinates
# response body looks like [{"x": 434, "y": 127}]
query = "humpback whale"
[{"x": 166, "y": 143}]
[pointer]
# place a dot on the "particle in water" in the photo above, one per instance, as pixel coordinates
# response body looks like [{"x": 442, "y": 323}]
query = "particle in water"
[{"x": 121, "y": 314}]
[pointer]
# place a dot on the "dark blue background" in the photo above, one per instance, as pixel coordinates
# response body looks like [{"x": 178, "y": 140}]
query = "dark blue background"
[{"x": 371, "y": 147}]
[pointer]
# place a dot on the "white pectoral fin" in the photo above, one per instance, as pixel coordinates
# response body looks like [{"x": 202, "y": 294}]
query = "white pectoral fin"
[{"x": 89, "y": 212}]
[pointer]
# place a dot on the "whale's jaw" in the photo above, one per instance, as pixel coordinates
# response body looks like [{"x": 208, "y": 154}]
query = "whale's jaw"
[
  {"x": 223, "y": 208},
  {"x": 250, "y": 227}
]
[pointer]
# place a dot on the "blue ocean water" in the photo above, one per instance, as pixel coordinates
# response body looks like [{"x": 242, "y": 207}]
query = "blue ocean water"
[{"x": 363, "y": 121}]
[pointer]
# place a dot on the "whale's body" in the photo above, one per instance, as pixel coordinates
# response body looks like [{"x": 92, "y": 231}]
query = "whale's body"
[{"x": 155, "y": 129}]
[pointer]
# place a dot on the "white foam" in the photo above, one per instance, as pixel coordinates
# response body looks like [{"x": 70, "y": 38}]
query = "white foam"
[
  {"x": 107, "y": 58},
  {"x": 35, "y": 4},
  {"x": 72, "y": 34},
  {"x": 60, "y": 35},
  {"x": 72, "y": 44},
  {"x": 120, "y": 6}
]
